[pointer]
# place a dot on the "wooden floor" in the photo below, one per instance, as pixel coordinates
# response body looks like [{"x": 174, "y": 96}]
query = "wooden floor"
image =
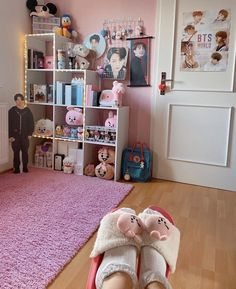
[{"x": 207, "y": 221}]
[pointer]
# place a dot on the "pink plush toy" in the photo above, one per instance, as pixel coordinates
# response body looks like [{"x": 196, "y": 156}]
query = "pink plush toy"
[
  {"x": 118, "y": 90},
  {"x": 158, "y": 227},
  {"x": 111, "y": 120},
  {"x": 106, "y": 155},
  {"x": 74, "y": 116},
  {"x": 131, "y": 226}
]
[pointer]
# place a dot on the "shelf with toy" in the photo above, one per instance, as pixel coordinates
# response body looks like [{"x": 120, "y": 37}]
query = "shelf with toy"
[
  {"x": 68, "y": 139},
  {"x": 69, "y": 123},
  {"x": 99, "y": 143},
  {"x": 100, "y": 162}
]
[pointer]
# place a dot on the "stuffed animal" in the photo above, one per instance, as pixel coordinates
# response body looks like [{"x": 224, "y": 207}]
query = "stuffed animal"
[
  {"x": 73, "y": 132},
  {"x": 113, "y": 97},
  {"x": 104, "y": 171},
  {"x": 111, "y": 120},
  {"x": 47, "y": 10},
  {"x": 68, "y": 165},
  {"x": 44, "y": 127},
  {"x": 158, "y": 227},
  {"x": 65, "y": 29},
  {"x": 106, "y": 155},
  {"x": 80, "y": 133},
  {"x": 59, "y": 130},
  {"x": 85, "y": 57},
  {"x": 66, "y": 131},
  {"x": 131, "y": 226},
  {"x": 89, "y": 170},
  {"x": 118, "y": 90},
  {"x": 74, "y": 116}
]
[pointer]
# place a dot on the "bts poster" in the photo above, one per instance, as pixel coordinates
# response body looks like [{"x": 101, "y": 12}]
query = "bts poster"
[{"x": 205, "y": 40}]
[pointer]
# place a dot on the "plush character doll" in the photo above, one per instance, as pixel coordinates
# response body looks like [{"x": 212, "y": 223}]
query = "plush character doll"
[
  {"x": 131, "y": 226},
  {"x": 47, "y": 10},
  {"x": 90, "y": 170},
  {"x": 65, "y": 29},
  {"x": 104, "y": 171},
  {"x": 59, "y": 130},
  {"x": 111, "y": 120},
  {"x": 44, "y": 127},
  {"x": 158, "y": 227},
  {"x": 106, "y": 155},
  {"x": 74, "y": 116},
  {"x": 68, "y": 165},
  {"x": 118, "y": 90},
  {"x": 66, "y": 131},
  {"x": 73, "y": 132},
  {"x": 85, "y": 58}
]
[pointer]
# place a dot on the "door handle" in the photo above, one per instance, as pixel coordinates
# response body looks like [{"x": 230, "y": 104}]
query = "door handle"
[{"x": 162, "y": 85}]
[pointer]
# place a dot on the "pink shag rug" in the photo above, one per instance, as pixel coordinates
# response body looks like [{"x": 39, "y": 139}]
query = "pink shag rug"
[{"x": 45, "y": 218}]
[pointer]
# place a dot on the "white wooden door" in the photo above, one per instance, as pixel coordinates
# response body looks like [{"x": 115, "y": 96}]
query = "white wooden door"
[{"x": 193, "y": 127}]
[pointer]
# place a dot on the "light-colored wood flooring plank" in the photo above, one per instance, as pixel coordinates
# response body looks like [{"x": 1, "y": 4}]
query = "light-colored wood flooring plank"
[{"x": 207, "y": 221}]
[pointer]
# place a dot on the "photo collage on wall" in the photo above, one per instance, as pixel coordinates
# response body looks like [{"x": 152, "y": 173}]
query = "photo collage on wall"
[{"x": 205, "y": 40}]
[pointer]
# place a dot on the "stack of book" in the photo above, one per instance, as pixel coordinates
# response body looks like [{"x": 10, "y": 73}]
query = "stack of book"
[
  {"x": 91, "y": 96},
  {"x": 35, "y": 59},
  {"x": 69, "y": 93}
]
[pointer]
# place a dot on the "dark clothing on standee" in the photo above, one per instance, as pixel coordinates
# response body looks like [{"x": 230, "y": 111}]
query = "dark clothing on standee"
[
  {"x": 137, "y": 74},
  {"x": 21, "y": 125}
]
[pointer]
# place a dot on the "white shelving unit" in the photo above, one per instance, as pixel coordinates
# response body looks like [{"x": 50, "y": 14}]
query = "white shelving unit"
[{"x": 49, "y": 44}]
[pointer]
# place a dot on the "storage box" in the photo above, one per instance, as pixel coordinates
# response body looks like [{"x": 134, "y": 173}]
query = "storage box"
[{"x": 44, "y": 25}]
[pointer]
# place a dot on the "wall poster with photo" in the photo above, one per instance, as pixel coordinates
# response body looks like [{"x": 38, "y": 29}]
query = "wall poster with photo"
[
  {"x": 205, "y": 40},
  {"x": 115, "y": 63},
  {"x": 140, "y": 61}
]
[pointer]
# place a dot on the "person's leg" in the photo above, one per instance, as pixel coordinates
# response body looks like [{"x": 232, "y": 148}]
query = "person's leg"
[
  {"x": 118, "y": 280},
  {"x": 24, "y": 149},
  {"x": 118, "y": 269},
  {"x": 160, "y": 247},
  {"x": 152, "y": 269},
  {"x": 16, "y": 161}
]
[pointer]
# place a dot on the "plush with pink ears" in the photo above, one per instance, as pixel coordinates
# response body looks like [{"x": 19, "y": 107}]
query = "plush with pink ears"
[
  {"x": 131, "y": 226},
  {"x": 74, "y": 116},
  {"x": 158, "y": 227},
  {"x": 118, "y": 90}
]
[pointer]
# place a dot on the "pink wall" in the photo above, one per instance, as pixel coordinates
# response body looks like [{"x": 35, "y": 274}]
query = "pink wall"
[{"x": 88, "y": 17}]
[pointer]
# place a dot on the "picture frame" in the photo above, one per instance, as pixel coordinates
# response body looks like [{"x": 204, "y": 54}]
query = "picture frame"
[
  {"x": 115, "y": 63},
  {"x": 97, "y": 43},
  {"x": 203, "y": 47},
  {"x": 140, "y": 61}
]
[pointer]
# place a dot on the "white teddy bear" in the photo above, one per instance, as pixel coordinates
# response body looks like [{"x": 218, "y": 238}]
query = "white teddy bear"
[{"x": 44, "y": 127}]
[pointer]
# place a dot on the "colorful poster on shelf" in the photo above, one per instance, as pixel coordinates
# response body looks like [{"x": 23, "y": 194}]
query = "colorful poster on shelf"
[{"x": 205, "y": 40}]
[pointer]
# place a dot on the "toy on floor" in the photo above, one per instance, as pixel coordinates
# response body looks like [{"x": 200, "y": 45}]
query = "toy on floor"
[
  {"x": 47, "y": 10},
  {"x": 89, "y": 170},
  {"x": 68, "y": 165},
  {"x": 44, "y": 127},
  {"x": 105, "y": 170},
  {"x": 74, "y": 116},
  {"x": 65, "y": 28}
]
